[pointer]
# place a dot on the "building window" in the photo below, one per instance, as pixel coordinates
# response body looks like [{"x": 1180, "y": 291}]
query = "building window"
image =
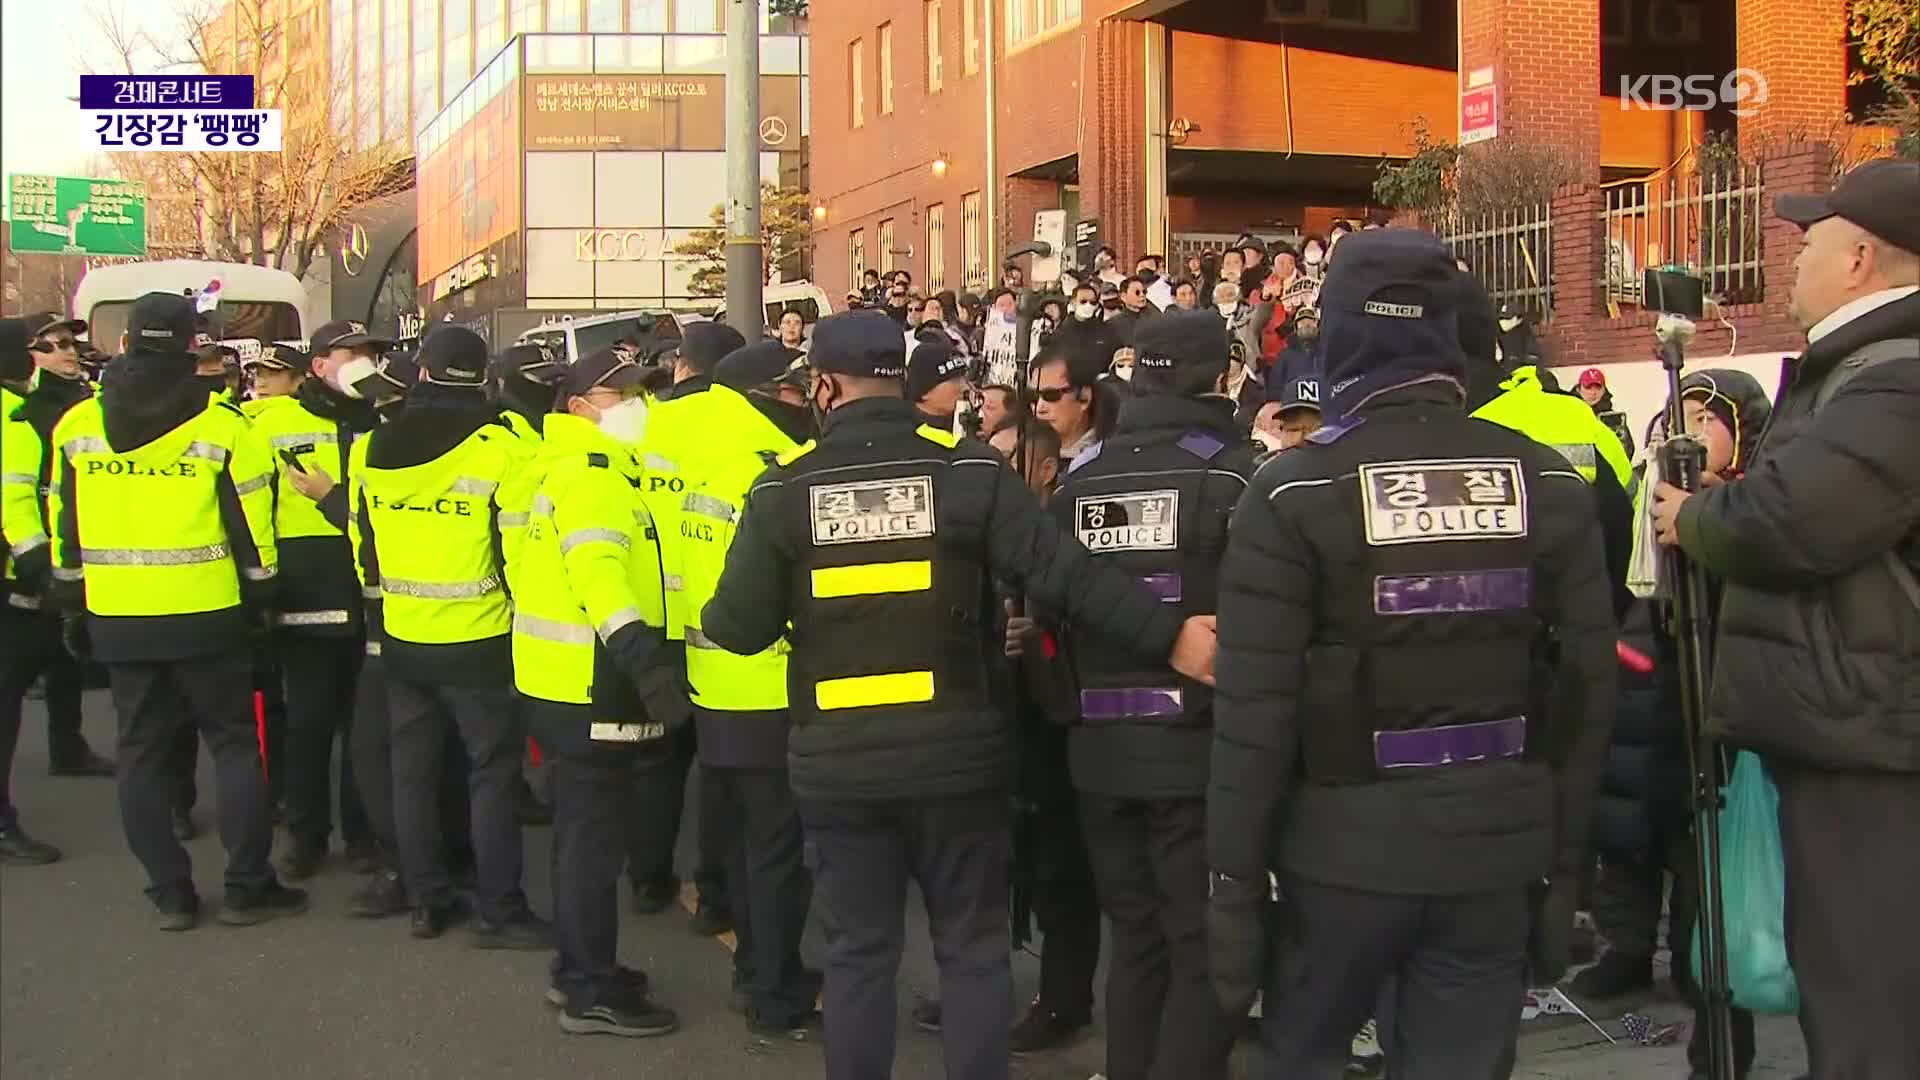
[
  {"x": 426, "y": 61},
  {"x": 886, "y": 68},
  {"x": 1394, "y": 15},
  {"x": 524, "y": 17},
  {"x": 936, "y": 76},
  {"x": 647, "y": 16},
  {"x": 856, "y": 258},
  {"x": 489, "y": 28},
  {"x": 936, "y": 247},
  {"x": 563, "y": 16},
  {"x": 606, "y": 16},
  {"x": 1030, "y": 20},
  {"x": 974, "y": 273},
  {"x": 394, "y": 71},
  {"x": 697, "y": 17},
  {"x": 366, "y": 44},
  {"x": 884, "y": 256},
  {"x": 857, "y": 77},
  {"x": 970, "y": 36}
]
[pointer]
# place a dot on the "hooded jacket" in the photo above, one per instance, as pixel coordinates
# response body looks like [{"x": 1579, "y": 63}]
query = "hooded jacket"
[{"x": 1820, "y": 623}]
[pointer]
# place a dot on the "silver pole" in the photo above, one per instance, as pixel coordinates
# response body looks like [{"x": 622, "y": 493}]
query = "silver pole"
[{"x": 745, "y": 266}]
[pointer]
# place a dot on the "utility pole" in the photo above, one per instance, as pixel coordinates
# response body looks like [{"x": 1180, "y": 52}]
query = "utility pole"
[{"x": 746, "y": 268}]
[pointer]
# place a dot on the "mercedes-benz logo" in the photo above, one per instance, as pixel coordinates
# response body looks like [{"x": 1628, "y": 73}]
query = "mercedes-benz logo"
[
  {"x": 353, "y": 250},
  {"x": 773, "y": 131}
]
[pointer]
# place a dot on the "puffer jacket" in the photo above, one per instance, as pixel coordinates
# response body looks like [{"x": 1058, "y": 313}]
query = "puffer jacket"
[{"x": 1820, "y": 626}]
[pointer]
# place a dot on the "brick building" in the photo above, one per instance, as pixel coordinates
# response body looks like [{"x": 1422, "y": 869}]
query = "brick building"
[{"x": 941, "y": 126}]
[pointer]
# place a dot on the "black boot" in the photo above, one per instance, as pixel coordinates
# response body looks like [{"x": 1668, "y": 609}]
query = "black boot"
[{"x": 19, "y": 849}]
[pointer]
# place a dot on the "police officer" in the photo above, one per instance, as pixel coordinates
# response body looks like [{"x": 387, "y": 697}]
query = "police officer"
[
  {"x": 936, "y": 380},
  {"x": 589, "y": 655},
  {"x": 879, "y": 545},
  {"x": 430, "y": 542},
  {"x": 1399, "y": 599},
  {"x": 674, "y": 452},
  {"x": 740, "y": 702},
  {"x": 1153, "y": 499},
  {"x": 47, "y": 381},
  {"x": 524, "y": 377},
  {"x": 273, "y": 376},
  {"x": 320, "y": 631},
  {"x": 162, "y": 508}
]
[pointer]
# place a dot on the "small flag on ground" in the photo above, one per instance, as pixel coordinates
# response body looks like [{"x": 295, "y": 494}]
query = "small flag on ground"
[{"x": 1553, "y": 1002}]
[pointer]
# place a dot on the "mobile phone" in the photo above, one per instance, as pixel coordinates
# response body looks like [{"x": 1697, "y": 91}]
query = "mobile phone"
[{"x": 292, "y": 460}]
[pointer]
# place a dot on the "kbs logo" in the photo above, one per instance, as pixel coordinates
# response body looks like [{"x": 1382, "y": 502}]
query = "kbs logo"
[{"x": 1742, "y": 91}]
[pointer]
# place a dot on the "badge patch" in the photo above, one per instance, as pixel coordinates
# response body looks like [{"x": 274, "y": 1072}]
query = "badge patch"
[
  {"x": 1413, "y": 502},
  {"x": 1136, "y": 521},
  {"x": 868, "y": 511}
]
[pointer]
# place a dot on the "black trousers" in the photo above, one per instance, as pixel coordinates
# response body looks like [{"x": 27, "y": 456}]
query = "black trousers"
[
  {"x": 662, "y": 783},
  {"x": 321, "y": 675},
  {"x": 1852, "y": 845},
  {"x": 1627, "y": 902},
  {"x": 593, "y": 799},
  {"x": 1150, "y": 865},
  {"x": 1457, "y": 970},
  {"x": 1066, "y": 906},
  {"x": 422, "y": 715},
  {"x": 958, "y": 850},
  {"x": 370, "y": 743},
  {"x": 30, "y": 649},
  {"x": 270, "y": 729},
  {"x": 770, "y": 889},
  {"x": 152, "y": 702}
]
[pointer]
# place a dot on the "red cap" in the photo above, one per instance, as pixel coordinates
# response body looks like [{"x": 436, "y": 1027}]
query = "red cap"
[{"x": 1593, "y": 377}]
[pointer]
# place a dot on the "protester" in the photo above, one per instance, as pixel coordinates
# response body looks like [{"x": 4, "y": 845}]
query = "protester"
[
  {"x": 1593, "y": 390},
  {"x": 1184, "y": 295},
  {"x": 1065, "y": 387},
  {"x": 1820, "y": 618},
  {"x": 793, "y": 329}
]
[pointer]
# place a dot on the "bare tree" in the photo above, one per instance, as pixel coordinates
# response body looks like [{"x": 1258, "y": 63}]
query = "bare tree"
[{"x": 270, "y": 209}]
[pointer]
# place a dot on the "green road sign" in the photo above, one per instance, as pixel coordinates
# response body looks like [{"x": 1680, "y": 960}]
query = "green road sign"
[{"x": 77, "y": 215}]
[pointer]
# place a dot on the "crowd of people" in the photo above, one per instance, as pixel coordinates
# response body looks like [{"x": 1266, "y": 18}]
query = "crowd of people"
[{"x": 1271, "y": 609}]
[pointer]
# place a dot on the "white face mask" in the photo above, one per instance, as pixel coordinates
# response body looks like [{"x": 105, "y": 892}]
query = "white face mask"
[
  {"x": 1085, "y": 311},
  {"x": 347, "y": 377},
  {"x": 626, "y": 422},
  {"x": 1314, "y": 255},
  {"x": 1226, "y": 311}
]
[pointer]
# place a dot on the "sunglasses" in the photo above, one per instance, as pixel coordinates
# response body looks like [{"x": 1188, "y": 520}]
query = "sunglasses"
[
  {"x": 55, "y": 345},
  {"x": 1051, "y": 394}
]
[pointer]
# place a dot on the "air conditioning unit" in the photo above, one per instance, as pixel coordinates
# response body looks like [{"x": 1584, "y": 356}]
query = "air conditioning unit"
[{"x": 1673, "y": 22}]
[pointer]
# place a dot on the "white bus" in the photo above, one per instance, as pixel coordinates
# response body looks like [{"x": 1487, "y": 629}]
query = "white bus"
[{"x": 256, "y": 302}]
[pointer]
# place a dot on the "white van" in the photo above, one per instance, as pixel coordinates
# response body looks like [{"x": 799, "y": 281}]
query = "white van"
[
  {"x": 810, "y": 300},
  {"x": 585, "y": 335},
  {"x": 256, "y": 302}
]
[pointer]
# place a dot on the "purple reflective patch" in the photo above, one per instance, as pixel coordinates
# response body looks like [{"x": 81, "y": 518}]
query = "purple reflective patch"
[
  {"x": 1459, "y": 743},
  {"x": 1126, "y": 703},
  {"x": 1164, "y": 587},
  {"x": 1202, "y": 445},
  {"x": 1437, "y": 594}
]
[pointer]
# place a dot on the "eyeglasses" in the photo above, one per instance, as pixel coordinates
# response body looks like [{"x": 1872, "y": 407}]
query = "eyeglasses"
[
  {"x": 55, "y": 345},
  {"x": 1051, "y": 394}
]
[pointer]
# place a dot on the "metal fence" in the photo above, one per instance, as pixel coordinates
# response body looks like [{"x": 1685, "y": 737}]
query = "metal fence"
[
  {"x": 1511, "y": 252},
  {"x": 1708, "y": 222}
]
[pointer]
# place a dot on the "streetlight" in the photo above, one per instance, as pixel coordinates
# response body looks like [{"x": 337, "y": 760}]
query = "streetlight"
[
  {"x": 820, "y": 213},
  {"x": 940, "y": 165}
]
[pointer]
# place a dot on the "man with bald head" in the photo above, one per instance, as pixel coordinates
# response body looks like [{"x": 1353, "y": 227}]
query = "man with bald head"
[{"x": 1819, "y": 632}]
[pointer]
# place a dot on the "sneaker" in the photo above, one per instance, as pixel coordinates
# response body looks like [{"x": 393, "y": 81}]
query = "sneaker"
[
  {"x": 654, "y": 897},
  {"x": 174, "y": 913},
  {"x": 637, "y": 1017},
  {"x": 184, "y": 828},
  {"x": 628, "y": 979},
  {"x": 524, "y": 931},
  {"x": 926, "y": 1017},
  {"x": 19, "y": 849},
  {"x": 1043, "y": 1029},
  {"x": 1365, "y": 1058},
  {"x": 270, "y": 902},
  {"x": 85, "y": 763},
  {"x": 1616, "y": 975},
  {"x": 802, "y": 1028},
  {"x": 383, "y": 896},
  {"x": 303, "y": 860},
  {"x": 710, "y": 921},
  {"x": 432, "y": 920}
]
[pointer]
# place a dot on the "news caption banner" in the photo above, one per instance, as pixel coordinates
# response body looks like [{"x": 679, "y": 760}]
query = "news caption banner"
[{"x": 177, "y": 114}]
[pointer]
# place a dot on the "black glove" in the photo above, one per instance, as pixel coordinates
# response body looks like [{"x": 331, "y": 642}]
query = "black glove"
[
  {"x": 1550, "y": 941},
  {"x": 1237, "y": 941},
  {"x": 32, "y": 567},
  {"x": 648, "y": 677},
  {"x": 74, "y": 637}
]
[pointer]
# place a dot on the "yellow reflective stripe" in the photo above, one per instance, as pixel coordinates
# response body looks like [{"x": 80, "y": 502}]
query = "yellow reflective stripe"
[
  {"x": 472, "y": 485},
  {"x": 594, "y": 536},
  {"x": 206, "y": 450},
  {"x": 85, "y": 444},
  {"x": 281, "y": 442},
  {"x": 617, "y": 622},
  {"x": 867, "y": 579},
  {"x": 329, "y": 617},
  {"x": 513, "y": 520},
  {"x": 436, "y": 590},
  {"x": 795, "y": 454},
  {"x": 25, "y": 479},
  {"x": 154, "y": 556},
  {"x": 934, "y": 435},
  {"x": 860, "y": 691},
  {"x": 37, "y": 540},
  {"x": 248, "y": 487},
  {"x": 565, "y": 633}
]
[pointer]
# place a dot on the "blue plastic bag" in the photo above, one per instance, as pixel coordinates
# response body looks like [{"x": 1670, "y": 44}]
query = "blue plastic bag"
[{"x": 1753, "y": 880}]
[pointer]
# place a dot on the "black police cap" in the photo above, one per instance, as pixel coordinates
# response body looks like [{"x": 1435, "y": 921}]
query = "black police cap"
[
  {"x": 453, "y": 356},
  {"x": 346, "y": 334},
  {"x": 864, "y": 344},
  {"x": 762, "y": 363},
  {"x": 534, "y": 363},
  {"x": 610, "y": 369},
  {"x": 46, "y": 322},
  {"x": 162, "y": 322},
  {"x": 1178, "y": 338},
  {"x": 934, "y": 361},
  {"x": 704, "y": 344},
  {"x": 282, "y": 358}
]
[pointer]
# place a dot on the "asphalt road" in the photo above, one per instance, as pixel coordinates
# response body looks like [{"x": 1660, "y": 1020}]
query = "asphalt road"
[{"x": 89, "y": 990}]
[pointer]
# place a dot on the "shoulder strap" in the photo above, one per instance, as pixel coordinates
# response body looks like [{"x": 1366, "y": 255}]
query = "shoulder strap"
[
  {"x": 934, "y": 435},
  {"x": 796, "y": 453},
  {"x": 1878, "y": 352}
]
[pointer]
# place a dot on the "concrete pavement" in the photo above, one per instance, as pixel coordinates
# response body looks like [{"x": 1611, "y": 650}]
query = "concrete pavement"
[{"x": 88, "y": 989}]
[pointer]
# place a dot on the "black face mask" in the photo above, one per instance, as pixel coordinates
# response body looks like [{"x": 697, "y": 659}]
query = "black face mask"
[
  {"x": 932, "y": 324},
  {"x": 817, "y": 409},
  {"x": 1147, "y": 276},
  {"x": 213, "y": 384},
  {"x": 794, "y": 421},
  {"x": 940, "y": 421},
  {"x": 1112, "y": 304}
]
